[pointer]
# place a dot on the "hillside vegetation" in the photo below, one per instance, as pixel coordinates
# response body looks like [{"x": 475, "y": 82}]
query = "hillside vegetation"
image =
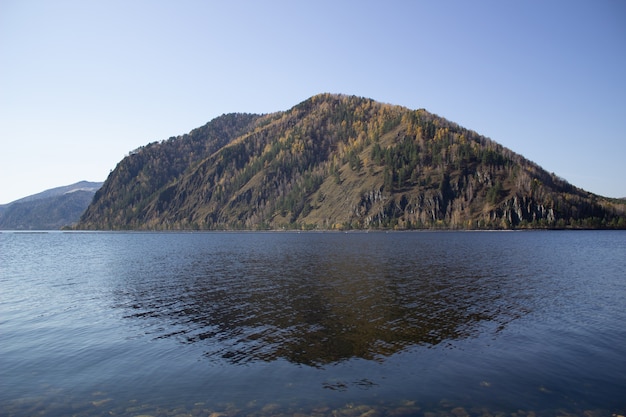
[
  {"x": 339, "y": 162},
  {"x": 49, "y": 210}
]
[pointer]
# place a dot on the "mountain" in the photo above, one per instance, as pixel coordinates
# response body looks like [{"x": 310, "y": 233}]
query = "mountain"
[
  {"x": 339, "y": 162},
  {"x": 50, "y": 209}
]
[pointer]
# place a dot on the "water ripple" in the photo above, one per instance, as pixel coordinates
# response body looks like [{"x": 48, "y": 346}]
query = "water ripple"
[{"x": 315, "y": 304}]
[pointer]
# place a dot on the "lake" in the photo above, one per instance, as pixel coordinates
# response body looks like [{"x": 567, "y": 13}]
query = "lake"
[{"x": 323, "y": 324}]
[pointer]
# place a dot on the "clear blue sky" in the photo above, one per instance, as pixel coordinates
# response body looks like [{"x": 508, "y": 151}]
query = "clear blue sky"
[{"x": 82, "y": 83}]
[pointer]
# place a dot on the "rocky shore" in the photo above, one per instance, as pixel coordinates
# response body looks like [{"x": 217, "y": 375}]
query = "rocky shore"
[{"x": 100, "y": 406}]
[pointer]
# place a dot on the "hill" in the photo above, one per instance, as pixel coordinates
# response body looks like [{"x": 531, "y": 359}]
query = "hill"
[
  {"x": 339, "y": 162},
  {"x": 50, "y": 209}
]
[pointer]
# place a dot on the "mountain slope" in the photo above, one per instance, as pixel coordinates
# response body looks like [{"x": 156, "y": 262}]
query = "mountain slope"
[
  {"x": 339, "y": 162},
  {"x": 50, "y": 209}
]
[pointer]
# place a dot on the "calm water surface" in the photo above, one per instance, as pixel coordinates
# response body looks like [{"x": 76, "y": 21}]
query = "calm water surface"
[{"x": 313, "y": 323}]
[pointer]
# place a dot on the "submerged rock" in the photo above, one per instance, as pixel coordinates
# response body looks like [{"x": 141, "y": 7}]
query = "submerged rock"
[{"x": 459, "y": 412}]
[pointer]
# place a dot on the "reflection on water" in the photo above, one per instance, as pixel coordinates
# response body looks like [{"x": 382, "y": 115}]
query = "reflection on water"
[
  {"x": 317, "y": 301},
  {"x": 323, "y": 324}
]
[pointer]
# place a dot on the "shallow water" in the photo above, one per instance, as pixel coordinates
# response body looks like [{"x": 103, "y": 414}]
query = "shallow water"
[{"x": 313, "y": 323}]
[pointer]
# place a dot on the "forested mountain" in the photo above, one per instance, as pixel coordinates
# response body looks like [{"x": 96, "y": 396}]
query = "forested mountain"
[
  {"x": 339, "y": 162},
  {"x": 50, "y": 209}
]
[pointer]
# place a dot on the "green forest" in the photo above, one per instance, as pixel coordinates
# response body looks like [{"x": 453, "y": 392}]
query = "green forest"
[{"x": 336, "y": 162}]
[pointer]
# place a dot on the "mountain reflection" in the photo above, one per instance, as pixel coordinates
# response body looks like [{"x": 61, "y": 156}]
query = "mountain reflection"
[{"x": 313, "y": 305}]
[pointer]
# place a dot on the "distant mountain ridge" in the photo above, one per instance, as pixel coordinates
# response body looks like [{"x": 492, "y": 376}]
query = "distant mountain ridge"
[
  {"x": 50, "y": 209},
  {"x": 339, "y": 162}
]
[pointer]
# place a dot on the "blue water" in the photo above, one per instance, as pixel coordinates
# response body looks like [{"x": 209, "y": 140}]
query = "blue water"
[{"x": 313, "y": 323}]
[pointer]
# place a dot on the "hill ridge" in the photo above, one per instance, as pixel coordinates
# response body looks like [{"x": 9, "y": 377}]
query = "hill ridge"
[
  {"x": 50, "y": 209},
  {"x": 339, "y": 162}
]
